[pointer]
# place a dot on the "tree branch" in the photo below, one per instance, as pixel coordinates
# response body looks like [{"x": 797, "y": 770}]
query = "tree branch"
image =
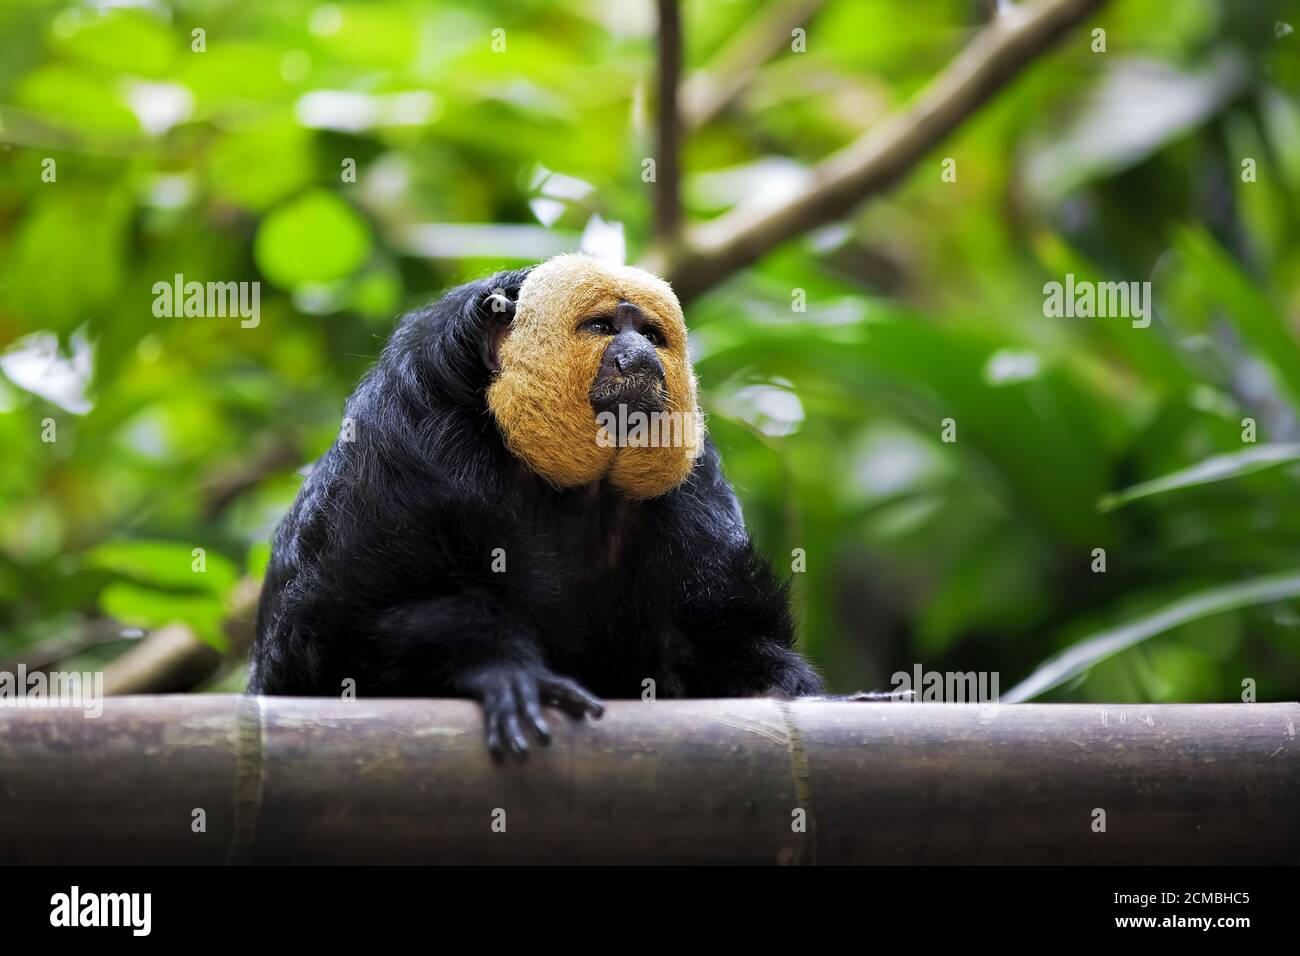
[
  {"x": 173, "y": 658},
  {"x": 44, "y": 655},
  {"x": 273, "y": 453},
  {"x": 667, "y": 196},
  {"x": 712, "y": 251}
]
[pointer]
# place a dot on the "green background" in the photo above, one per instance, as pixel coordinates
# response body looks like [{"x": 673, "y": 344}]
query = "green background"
[{"x": 924, "y": 304}]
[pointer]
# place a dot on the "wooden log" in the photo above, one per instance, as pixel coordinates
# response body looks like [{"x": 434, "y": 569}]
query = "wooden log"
[{"x": 706, "y": 781}]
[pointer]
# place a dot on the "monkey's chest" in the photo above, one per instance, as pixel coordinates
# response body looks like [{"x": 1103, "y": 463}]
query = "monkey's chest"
[{"x": 610, "y": 625}]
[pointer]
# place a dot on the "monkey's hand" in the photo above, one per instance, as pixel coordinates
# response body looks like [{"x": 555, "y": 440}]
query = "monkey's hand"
[{"x": 512, "y": 696}]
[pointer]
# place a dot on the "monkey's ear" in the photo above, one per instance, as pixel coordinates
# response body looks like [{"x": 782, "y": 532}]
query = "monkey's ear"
[{"x": 500, "y": 313}]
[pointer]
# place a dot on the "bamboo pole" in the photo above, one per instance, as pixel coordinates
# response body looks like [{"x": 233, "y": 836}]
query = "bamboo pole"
[{"x": 409, "y": 781}]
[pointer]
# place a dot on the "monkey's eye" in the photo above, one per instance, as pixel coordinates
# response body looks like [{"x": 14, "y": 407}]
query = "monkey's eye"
[
  {"x": 655, "y": 337},
  {"x": 598, "y": 326}
]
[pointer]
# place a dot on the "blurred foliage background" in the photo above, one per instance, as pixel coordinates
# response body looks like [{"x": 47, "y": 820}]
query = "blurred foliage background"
[{"x": 230, "y": 164}]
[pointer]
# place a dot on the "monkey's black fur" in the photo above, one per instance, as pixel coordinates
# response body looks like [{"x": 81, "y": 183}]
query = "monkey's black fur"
[{"x": 383, "y": 569}]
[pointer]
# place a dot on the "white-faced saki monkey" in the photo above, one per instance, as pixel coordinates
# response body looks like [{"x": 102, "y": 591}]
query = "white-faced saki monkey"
[{"x": 523, "y": 509}]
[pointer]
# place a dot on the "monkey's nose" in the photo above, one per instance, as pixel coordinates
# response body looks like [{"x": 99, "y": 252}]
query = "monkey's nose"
[{"x": 637, "y": 355}]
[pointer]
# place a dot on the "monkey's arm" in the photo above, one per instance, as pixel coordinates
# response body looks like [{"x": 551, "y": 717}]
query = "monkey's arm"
[
  {"x": 404, "y": 615},
  {"x": 744, "y": 644},
  {"x": 470, "y": 645},
  {"x": 740, "y": 634},
  {"x": 733, "y": 611}
]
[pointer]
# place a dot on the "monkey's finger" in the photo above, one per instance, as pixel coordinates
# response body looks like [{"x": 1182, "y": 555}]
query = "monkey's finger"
[
  {"x": 564, "y": 701},
  {"x": 496, "y": 703},
  {"x": 494, "y": 743},
  {"x": 514, "y": 734},
  {"x": 571, "y": 697},
  {"x": 507, "y": 715},
  {"x": 531, "y": 704}
]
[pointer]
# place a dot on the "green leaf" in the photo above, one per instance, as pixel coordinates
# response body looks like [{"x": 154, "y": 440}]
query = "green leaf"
[
  {"x": 166, "y": 564},
  {"x": 121, "y": 41},
  {"x": 150, "y": 609},
  {"x": 1218, "y": 468},
  {"x": 78, "y": 100},
  {"x": 1258, "y": 319},
  {"x": 315, "y": 238},
  {"x": 260, "y": 164},
  {"x": 1042, "y": 435},
  {"x": 66, "y": 259},
  {"x": 259, "y": 558},
  {"x": 1092, "y": 650}
]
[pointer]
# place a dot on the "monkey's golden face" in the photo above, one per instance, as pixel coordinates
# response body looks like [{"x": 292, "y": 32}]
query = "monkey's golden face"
[{"x": 594, "y": 379}]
